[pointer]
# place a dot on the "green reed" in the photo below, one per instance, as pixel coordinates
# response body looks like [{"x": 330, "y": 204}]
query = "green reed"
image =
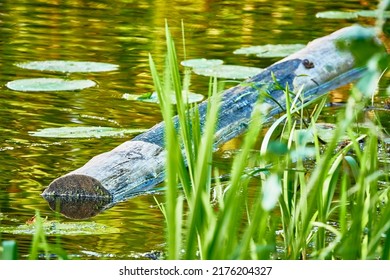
[
  {"x": 333, "y": 210},
  {"x": 40, "y": 247}
]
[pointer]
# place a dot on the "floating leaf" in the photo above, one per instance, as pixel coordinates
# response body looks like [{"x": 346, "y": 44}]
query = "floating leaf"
[
  {"x": 152, "y": 97},
  {"x": 201, "y": 63},
  {"x": 325, "y": 131},
  {"x": 78, "y": 228},
  {"x": 68, "y": 66},
  {"x": 337, "y": 15},
  {"x": 269, "y": 50},
  {"x": 228, "y": 71},
  {"x": 83, "y": 132},
  {"x": 49, "y": 84}
]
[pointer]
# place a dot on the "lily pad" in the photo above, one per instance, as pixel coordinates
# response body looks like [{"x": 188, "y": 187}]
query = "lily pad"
[
  {"x": 325, "y": 131},
  {"x": 77, "y": 228},
  {"x": 49, "y": 84},
  {"x": 201, "y": 63},
  {"x": 269, "y": 50},
  {"x": 234, "y": 72},
  {"x": 83, "y": 132},
  {"x": 153, "y": 98},
  {"x": 68, "y": 66}
]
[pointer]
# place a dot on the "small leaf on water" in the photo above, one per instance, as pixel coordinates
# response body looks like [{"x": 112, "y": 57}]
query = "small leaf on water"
[
  {"x": 201, "y": 63},
  {"x": 52, "y": 227},
  {"x": 83, "y": 132},
  {"x": 146, "y": 96},
  {"x": 49, "y": 84},
  {"x": 269, "y": 50},
  {"x": 234, "y": 72},
  {"x": 68, "y": 66}
]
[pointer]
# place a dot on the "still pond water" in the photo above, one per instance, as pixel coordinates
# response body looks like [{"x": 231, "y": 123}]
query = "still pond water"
[{"x": 121, "y": 32}]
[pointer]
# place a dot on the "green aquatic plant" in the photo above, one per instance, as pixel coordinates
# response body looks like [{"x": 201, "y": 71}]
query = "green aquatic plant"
[
  {"x": 330, "y": 209},
  {"x": 83, "y": 132},
  {"x": 203, "y": 233},
  {"x": 40, "y": 248},
  {"x": 201, "y": 63},
  {"x": 68, "y": 66},
  {"x": 49, "y": 84}
]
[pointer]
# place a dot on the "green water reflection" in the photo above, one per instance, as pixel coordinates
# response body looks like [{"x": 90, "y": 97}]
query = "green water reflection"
[{"x": 120, "y": 32}]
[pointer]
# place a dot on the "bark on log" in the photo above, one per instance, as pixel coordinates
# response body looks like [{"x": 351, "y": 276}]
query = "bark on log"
[{"x": 138, "y": 165}]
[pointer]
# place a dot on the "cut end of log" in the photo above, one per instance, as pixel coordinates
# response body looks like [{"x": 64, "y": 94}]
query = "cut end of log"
[{"x": 76, "y": 186}]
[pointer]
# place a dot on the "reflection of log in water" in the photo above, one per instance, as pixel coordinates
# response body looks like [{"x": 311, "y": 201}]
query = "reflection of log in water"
[
  {"x": 78, "y": 208},
  {"x": 138, "y": 165}
]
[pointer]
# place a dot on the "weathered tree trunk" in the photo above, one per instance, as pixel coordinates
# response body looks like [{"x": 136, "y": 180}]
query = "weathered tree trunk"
[{"x": 138, "y": 165}]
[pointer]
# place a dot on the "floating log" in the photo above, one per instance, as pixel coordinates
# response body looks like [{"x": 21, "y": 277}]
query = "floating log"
[{"x": 138, "y": 165}]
